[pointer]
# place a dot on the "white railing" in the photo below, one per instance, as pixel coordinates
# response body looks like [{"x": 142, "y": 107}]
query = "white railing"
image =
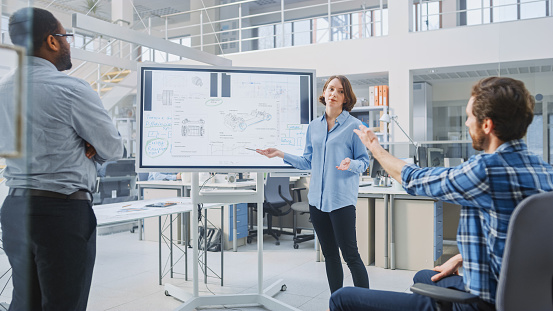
[
  {"x": 436, "y": 14},
  {"x": 204, "y": 34},
  {"x": 103, "y": 77}
]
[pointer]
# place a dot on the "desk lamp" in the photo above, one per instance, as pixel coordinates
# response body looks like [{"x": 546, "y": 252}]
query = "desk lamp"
[{"x": 389, "y": 118}]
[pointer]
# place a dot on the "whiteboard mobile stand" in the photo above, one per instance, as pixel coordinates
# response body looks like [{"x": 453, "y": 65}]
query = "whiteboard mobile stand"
[
  {"x": 263, "y": 297},
  {"x": 226, "y": 110}
]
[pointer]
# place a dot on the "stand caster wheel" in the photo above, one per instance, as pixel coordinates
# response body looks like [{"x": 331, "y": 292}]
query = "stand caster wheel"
[
  {"x": 167, "y": 293},
  {"x": 283, "y": 288},
  {"x": 249, "y": 240},
  {"x": 296, "y": 246},
  {"x": 277, "y": 243}
]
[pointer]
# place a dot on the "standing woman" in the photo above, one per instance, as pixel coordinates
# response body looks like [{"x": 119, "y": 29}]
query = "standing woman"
[{"x": 336, "y": 157}]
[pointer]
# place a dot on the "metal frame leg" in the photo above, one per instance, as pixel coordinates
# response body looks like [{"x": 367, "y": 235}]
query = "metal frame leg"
[
  {"x": 386, "y": 221},
  {"x": 392, "y": 235},
  {"x": 159, "y": 244},
  {"x": 205, "y": 246}
]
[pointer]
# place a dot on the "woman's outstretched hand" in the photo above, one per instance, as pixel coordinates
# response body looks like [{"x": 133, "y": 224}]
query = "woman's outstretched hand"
[
  {"x": 270, "y": 152},
  {"x": 344, "y": 165}
]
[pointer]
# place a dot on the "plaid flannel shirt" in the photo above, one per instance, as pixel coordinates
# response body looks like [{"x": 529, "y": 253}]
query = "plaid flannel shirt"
[{"x": 488, "y": 187}]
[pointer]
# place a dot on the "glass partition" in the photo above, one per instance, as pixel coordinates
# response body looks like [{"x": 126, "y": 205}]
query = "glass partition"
[
  {"x": 11, "y": 60},
  {"x": 451, "y": 89}
]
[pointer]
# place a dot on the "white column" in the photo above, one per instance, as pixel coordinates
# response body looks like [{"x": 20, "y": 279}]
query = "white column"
[
  {"x": 121, "y": 10},
  {"x": 399, "y": 76},
  {"x": 122, "y": 13}
]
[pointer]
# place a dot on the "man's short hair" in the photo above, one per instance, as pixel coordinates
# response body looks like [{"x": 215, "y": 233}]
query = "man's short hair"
[
  {"x": 507, "y": 103},
  {"x": 29, "y": 27}
]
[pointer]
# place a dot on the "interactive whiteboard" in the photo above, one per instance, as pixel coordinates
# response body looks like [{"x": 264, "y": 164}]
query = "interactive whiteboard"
[{"x": 194, "y": 118}]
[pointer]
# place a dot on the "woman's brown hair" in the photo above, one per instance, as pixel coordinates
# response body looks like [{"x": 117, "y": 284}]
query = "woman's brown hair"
[{"x": 349, "y": 96}]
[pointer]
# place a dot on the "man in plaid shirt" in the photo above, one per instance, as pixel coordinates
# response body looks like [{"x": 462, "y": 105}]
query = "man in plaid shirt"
[{"x": 488, "y": 186}]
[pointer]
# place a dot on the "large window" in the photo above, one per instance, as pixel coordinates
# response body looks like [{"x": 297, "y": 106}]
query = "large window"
[
  {"x": 437, "y": 14},
  {"x": 478, "y": 12},
  {"x": 534, "y": 9},
  {"x": 302, "y": 32},
  {"x": 380, "y": 22},
  {"x": 283, "y": 35},
  {"x": 341, "y": 27},
  {"x": 320, "y": 30},
  {"x": 535, "y": 134},
  {"x": 540, "y": 135},
  {"x": 427, "y": 16},
  {"x": 266, "y": 36}
]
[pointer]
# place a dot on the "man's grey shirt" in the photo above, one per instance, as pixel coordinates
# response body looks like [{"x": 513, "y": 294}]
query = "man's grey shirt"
[{"x": 62, "y": 113}]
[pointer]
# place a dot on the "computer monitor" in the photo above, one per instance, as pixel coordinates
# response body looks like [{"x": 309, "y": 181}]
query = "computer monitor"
[
  {"x": 375, "y": 169},
  {"x": 422, "y": 156},
  {"x": 435, "y": 157}
]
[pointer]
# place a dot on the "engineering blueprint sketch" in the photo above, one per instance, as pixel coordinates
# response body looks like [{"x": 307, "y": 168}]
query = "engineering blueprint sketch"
[{"x": 201, "y": 118}]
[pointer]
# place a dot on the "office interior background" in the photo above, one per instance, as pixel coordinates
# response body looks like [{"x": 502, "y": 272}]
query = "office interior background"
[{"x": 429, "y": 53}]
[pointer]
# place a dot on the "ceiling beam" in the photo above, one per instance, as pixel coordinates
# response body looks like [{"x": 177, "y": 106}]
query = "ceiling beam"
[
  {"x": 103, "y": 59},
  {"x": 94, "y": 25}
]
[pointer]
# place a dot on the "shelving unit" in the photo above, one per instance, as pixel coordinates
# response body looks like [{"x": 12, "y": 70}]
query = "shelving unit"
[{"x": 371, "y": 115}]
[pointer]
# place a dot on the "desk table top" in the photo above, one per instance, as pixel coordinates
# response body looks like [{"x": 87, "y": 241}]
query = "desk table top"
[
  {"x": 108, "y": 214},
  {"x": 380, "y": 190},
  {"x": 178, "y": 183}
]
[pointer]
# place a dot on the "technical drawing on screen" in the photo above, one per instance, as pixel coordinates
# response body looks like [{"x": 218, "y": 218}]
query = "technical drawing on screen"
[{"x": 194, "y": 118}]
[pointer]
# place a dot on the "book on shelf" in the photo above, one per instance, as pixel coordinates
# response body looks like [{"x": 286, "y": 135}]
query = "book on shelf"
[
  {"x": 385, "y": 95},
  {"x": 380, "y": 95},
  {"x": 371, "y": 95}
]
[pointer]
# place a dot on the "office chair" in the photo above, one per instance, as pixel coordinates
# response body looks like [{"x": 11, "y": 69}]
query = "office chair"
[
  {"x": 119, "y": 183},
  {"x": 526, "y": 277},
  {"x": 276, "y": 190},
  {"x": 300, "y": 208}
]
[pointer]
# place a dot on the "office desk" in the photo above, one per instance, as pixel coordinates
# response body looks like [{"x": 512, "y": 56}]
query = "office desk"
[
  {"x": 115, "y": 213},
  {"x": 183, "y": 189},
  {"x": 416, "y": 222}
]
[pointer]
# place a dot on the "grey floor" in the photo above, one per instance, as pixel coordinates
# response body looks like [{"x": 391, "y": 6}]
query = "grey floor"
[{"x": 126, "y": 275}]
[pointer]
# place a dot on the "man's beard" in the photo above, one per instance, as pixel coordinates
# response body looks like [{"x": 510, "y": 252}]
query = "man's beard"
[
  {"x": 64, "y": 61},
  {"x": 478, "y": 139}
]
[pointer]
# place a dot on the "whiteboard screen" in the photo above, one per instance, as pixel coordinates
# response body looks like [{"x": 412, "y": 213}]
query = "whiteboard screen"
[{"x": 210, "y": 118}]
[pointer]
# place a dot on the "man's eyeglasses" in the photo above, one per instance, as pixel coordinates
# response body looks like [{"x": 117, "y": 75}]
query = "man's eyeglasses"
[{"x": 68, "y": 36}]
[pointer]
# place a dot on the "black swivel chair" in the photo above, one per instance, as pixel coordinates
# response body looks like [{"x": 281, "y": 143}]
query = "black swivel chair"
[
  {"x": 526, "y": 276},
  {"x": 300, "y": 208},
  {"x": 277, "y": 196}
]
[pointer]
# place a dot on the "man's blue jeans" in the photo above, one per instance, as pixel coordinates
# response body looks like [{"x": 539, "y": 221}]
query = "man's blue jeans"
[{"x": 356, "y": 299}]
